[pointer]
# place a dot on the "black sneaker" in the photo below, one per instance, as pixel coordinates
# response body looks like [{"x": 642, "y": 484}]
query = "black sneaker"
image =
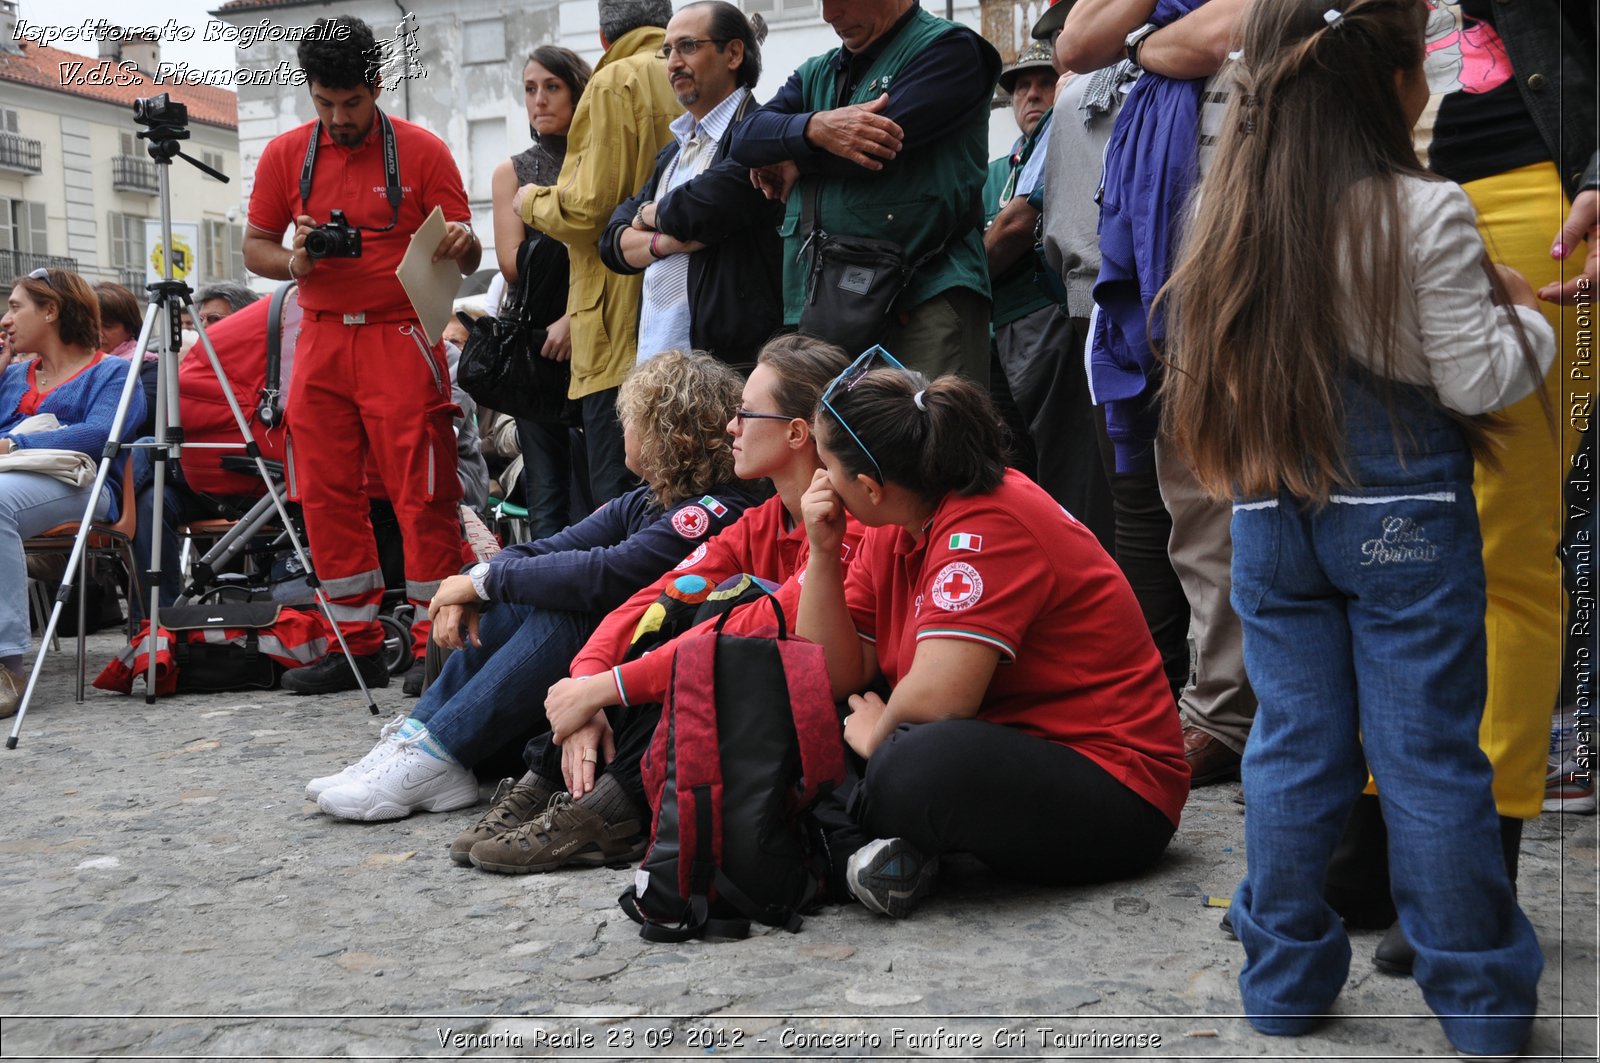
[
  {"x": 332, "y": 674},
  {"x": 416, "y": 677},
  {"x": 890, "y": 876}
]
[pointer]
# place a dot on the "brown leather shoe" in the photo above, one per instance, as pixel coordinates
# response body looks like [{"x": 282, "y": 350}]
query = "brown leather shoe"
[{"x": 1209, "y": 759}]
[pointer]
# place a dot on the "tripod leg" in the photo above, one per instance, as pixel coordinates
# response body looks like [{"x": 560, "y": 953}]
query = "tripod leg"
[
  {"x": 83, "y": 618},
  {"x": 80, "y": 542}
]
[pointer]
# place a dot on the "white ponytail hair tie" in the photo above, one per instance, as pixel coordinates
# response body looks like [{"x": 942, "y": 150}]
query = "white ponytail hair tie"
[{"x": 917, "y": 398}]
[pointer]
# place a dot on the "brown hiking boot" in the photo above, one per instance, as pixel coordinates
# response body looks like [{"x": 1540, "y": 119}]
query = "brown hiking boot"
[
  {"x": 513, "y": 806},
  {"x": 564, "y": 833}
]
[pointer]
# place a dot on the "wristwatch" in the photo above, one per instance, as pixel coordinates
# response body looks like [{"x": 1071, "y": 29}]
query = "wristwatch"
[
  {"x": 467, "y": 225},
  {"x": 478, "y": 574},
  {"x": 1133, "y": 40}
]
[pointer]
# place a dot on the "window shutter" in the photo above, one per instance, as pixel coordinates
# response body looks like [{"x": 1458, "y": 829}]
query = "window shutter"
[{"x": 36, "y": 237}]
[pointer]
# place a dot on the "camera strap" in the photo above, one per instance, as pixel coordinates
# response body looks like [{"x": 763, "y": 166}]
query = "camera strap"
[{"x": 391, "y": 172}]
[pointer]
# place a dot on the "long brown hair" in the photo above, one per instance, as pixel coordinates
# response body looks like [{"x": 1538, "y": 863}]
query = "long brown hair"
[{"x": 1297, "y": 247}]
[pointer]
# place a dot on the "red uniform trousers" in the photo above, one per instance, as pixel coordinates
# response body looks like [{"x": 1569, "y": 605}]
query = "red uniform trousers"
[{"x": 378, "y": 389}]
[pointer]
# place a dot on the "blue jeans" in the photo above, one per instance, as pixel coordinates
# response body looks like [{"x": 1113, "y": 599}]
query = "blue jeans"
[
  {"x": 174, "y": 495},
  {"x": 1364, "y": 639},
  {"x": 31, "y": 502},
  {"x": 491, "y": 697}
]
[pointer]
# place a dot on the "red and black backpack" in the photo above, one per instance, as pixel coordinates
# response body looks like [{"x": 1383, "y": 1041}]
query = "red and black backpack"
[{"x": 749, "y": 739}]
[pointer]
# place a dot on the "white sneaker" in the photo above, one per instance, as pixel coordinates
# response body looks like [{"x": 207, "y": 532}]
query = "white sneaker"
[
  {"x": 406, "y": 781},
  {"x": 890, "y": 876},
  {"x": 388, "y": 740}
]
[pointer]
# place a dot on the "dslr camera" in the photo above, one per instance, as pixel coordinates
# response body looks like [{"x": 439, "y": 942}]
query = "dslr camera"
[{"x": 336, "y": 238}]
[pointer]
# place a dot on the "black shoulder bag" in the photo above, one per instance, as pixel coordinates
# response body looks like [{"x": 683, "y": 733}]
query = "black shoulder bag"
[{"x": 500, "y": 364}]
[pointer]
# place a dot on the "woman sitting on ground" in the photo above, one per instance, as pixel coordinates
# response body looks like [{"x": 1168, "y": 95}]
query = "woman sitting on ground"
[
  {"x": 606, "y": 818},
  {"x": 1028, "y": 720},
  {"x": 519, "y": 618},
  {"x": 65, "y": 398}
]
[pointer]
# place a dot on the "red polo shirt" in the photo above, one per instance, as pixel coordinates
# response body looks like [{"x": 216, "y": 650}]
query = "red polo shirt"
[
  {"x": 762, "y": 543},
  {"x": 1014, "y": 571},
  {"x": 352, "y": 180}
]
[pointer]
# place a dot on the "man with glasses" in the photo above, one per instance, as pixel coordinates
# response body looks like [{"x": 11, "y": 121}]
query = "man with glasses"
[
  {"x": 886, "y": 137},
  {"x": 217, "y": 301},
  {"x": 621, "y": 122},
  {"x": 705, "y": 238}
]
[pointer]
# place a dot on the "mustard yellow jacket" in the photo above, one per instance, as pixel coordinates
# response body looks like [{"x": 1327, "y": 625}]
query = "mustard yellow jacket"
[{"x": 619, "y": 125}]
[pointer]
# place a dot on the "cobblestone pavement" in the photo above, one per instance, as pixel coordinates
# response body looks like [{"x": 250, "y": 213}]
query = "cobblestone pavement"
[{"x": 168, "y": 892}]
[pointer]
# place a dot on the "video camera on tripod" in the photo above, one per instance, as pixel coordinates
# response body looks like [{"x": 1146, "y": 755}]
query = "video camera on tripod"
[{"x": 166, "y": 122}]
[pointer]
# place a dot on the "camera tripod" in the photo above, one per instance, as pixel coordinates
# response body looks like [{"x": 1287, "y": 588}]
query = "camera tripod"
[{"x": 167, "y": 122}]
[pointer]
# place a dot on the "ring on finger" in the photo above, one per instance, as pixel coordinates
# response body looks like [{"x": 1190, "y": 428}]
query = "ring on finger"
[{"x": 590, "y": 756}]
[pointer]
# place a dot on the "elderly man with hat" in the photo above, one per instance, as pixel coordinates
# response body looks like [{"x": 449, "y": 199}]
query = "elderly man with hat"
[{"x": 1042, "y": 366}]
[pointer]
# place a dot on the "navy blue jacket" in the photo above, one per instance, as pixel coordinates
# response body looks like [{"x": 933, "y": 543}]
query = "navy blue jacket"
[
  {"x": 735, "y": 281},
  {"x": 595, "y": 564}
]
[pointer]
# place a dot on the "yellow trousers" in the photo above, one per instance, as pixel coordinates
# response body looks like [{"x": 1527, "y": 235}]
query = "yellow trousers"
[{"x": 1520, "y": 503}]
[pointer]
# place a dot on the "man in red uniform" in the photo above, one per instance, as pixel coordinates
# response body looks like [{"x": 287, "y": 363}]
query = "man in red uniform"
[{"x": 366, "y": 378}]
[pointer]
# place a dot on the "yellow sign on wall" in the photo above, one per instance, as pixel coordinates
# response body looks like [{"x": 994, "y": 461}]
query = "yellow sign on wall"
[{"x": 185, "y": 258}]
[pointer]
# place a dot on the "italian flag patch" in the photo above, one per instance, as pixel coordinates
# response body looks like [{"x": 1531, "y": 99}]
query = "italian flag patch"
[{"x": 963, "y": 541}]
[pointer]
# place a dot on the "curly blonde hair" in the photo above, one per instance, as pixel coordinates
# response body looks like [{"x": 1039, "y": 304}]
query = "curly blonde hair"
[{"x": 679, "y": 405}]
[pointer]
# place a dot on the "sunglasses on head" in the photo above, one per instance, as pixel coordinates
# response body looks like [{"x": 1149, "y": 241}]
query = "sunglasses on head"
[{"x": 847, "y": 380}]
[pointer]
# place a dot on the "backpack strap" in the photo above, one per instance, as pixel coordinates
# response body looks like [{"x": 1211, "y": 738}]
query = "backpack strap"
[
  {"x": 695, "y": 922},
  {"x": 787, "y": 918},
  {"x": 697, "y": 762},
  {"x": 816, "y": 721},
  {"x": 268, "y": 410}
]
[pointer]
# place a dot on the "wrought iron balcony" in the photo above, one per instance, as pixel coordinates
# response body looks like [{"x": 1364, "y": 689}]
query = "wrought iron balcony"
[
  {"x": 20, "y": 153},
  {"x": 21, "y": 263},
  {"x": 132, "y": 174}
]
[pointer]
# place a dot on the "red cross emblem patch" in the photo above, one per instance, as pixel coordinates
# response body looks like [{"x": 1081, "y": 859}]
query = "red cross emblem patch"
[
  {"x": 691, "y": 522},
  {"x": 957, "y": 586},
  {"x": 692, "y": 560}
]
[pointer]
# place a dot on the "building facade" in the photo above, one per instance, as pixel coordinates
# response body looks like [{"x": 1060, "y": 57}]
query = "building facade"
[{"x": 77, "y": 186}]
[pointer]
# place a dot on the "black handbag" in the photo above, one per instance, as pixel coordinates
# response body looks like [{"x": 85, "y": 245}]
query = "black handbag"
[
  {"x": 854, "y": 280},
  {"x": 500, "y": 364}
]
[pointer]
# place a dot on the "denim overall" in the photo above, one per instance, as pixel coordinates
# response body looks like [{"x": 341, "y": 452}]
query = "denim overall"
[{"x": 1364, "y": 640}]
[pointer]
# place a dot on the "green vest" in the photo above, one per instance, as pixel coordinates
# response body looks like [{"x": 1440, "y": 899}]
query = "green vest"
[
  {"x": 924, "y": 195},
  {"x": 1016, "y": 294}
]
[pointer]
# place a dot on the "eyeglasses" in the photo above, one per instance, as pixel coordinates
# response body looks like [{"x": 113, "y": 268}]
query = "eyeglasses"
[
  {"x": 690, "y": 45},
  {"x": 852, "y": 375},
  {"x": 742, "y": 415}
]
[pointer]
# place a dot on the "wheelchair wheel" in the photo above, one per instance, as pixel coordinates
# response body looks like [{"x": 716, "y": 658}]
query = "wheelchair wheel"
[{"x": 396, "y": 643}]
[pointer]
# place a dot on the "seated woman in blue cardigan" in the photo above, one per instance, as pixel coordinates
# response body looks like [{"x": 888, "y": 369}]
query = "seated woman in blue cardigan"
[{"x": 63, "y": 397}]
